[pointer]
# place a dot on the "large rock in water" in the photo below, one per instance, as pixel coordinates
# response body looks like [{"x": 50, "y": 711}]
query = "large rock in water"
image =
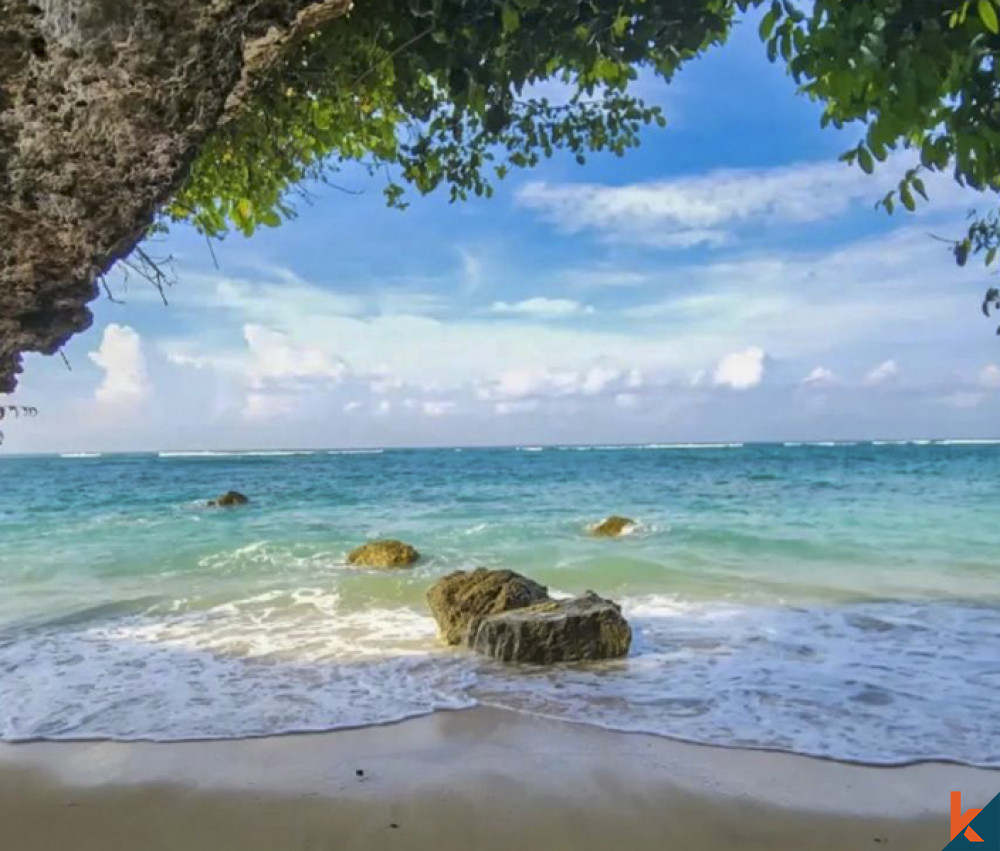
[
  {"x": 460, "y": 600},
  {"x": 583, "y": 628},
  {"x": 229, "y": 499},
  {"x": 613, "y": 527},
  {"x": 384, "y": 553}
]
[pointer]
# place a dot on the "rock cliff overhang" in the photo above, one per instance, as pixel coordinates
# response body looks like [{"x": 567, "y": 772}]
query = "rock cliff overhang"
[{"x": 103, "y": 106}]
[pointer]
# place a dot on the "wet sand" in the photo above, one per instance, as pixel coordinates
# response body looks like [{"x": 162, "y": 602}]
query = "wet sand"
[{"x": 480, "y": 779}]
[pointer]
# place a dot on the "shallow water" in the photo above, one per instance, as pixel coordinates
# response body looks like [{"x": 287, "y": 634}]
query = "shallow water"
[{"x": 837, "y": 600}]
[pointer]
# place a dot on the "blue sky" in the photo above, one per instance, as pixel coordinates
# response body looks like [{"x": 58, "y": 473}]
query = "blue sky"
[{"x": 730, "y": 280}]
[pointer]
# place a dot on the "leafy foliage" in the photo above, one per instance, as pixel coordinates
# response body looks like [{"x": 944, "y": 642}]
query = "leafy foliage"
[
  {"x": 450, "y": 93},
  {"x": 920, "y": 74},
  {"x": 442, "y": 93}
]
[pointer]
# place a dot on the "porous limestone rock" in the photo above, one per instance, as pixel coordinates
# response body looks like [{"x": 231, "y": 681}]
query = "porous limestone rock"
[
  {"x": 583, "y": 628},
  {"x": 460, "y": 600},
  {"x": 103, "y": 106}
]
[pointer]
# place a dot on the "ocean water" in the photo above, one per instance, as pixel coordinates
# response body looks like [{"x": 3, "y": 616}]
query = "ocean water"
[{"x": 835, "y": 600}]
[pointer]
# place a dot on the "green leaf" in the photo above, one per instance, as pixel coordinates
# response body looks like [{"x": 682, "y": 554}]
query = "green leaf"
[
  {"x": 767, "y": 25},
  {"x": 907, "y": 197},
  {"x": 865, "y": 160},
  {"x": 510, "y": 18},
  {"x": 988, "y": 15}
]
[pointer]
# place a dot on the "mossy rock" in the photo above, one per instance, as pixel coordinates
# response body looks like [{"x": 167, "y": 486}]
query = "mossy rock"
[
  {"x": 229, "y": 499},
  {"x": 613, "y": 527},
  {"x": 383, "y": 553},
  {"x": 584, "y": 628},
  {"x": 460, "y": 600}
]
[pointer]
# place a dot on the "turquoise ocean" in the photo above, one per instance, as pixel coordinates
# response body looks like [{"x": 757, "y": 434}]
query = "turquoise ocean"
[{"x": 835, "y": 600}]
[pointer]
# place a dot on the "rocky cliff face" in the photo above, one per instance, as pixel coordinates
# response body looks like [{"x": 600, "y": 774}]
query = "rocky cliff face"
[{"x": 103, "y": 105}]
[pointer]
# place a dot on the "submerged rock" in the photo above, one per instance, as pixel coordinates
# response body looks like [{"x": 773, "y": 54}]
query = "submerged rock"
[
  {"x": 460, "y": 600},
  {"x": 613, "y": 527},
  {"x": 583, "y": 628},
  {"x": 383, "y": 553},
  {"x": 229, "y": 499}
]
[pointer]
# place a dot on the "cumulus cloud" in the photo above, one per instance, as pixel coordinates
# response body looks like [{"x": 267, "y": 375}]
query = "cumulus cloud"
[
  {"x": 352, "y": 406},
  {"x": 708, "y": 208},
  {"x": 885, "y": 371},
  {"x": 543, "y": 308},
  {"x": 277, "y": 358},
  {"x": 528, "y": 383},
  {"x": 121, "y": 357},
  {"x": 820, "y": 377},
  {"x": 741, "y": 370},
  {"x": 989, "y": 377}
]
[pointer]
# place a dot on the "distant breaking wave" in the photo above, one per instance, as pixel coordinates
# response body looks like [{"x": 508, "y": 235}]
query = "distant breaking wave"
[
  {"x": 252, "y": 454},
  {"x": 691, "y": 446},
  {"x": 80, "y": 455},
  {"x": 268, "y": 453}
]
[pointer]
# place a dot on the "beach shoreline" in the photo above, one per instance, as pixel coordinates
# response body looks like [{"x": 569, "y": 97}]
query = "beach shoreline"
[{"x": 480, "y": 778}]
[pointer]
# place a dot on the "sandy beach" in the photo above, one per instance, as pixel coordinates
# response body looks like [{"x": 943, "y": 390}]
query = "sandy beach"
[{"x": 479, "y": 779}]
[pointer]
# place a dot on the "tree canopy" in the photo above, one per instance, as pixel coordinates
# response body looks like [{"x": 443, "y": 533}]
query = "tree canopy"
[
  {"x": 442, "y": 92},
  {"x": 451, "y": 93}
]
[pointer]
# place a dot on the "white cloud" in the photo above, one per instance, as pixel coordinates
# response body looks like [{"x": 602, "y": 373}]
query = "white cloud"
[
  {"x": 383, "y": 408},
  {"x": 276, "y": 358},
  {"x": 521, "y": 407},
  {"x": 635, "y": 379},
  {"x": 626, "y": 401},
  {"x": 885, "y": 371},
  {"x": 267, "y": 406},
  {"x": 543, "y": 308},
  {"x": 964, "y": 399},
  {"x": 120, "y": 356},
  {"x": 438, "y": 408},
  {"x": 352, "y": 406},
  {"x": 708, "y": 208},
  {"x": 386, "y": 384},
  {"x": 989, "y": 376},
  {"x": 528, "y": 383},
  {"x": 602, "y": 278},
  {"x": 820, "y": 377},
  {"x": 472, "y": 270},
  {"x": 741, "y": 370}
]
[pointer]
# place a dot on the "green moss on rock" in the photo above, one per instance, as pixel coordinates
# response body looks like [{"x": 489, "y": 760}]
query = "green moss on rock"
[
  {"x": 460, "y": 600},
  {"x": 229, "y": 499},
  {"x": 383, "y": 553},
  {"x": 612, "y": 527}
]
